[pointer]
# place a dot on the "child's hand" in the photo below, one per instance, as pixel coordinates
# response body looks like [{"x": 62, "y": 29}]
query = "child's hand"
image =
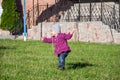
[
  {"x": 73, "y": 30},
  {"x": 41, "y": 38}
]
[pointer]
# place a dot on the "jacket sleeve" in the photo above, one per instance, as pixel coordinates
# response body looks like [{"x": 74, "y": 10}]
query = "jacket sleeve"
[
  {"x": 47, "y": 40},
  {"x": 68, "y": 36}
]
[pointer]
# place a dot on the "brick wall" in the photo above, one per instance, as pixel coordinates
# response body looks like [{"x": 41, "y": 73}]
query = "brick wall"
[
  {"x": 29, "y": 3},
  {"x": 32, "y": 10}
]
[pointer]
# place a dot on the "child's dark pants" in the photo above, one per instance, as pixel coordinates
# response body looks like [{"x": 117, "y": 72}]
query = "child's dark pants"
[{"x": 61, "y": 59}]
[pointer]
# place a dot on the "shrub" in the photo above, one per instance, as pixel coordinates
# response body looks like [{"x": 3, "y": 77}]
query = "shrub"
[{"x": 10, "y": 19}]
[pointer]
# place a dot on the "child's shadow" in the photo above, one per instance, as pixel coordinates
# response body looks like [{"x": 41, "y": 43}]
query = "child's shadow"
[{"x": 78, "y": 65}]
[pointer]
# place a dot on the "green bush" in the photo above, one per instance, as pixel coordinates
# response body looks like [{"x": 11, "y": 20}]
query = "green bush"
[{"x": 10, "y": 17}]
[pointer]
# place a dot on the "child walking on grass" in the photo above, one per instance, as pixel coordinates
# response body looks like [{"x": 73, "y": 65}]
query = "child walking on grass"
[{"x": 61, "y": 47}]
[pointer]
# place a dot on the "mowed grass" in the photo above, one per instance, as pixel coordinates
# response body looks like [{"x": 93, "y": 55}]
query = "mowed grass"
[{"x": 34, "y": 60}]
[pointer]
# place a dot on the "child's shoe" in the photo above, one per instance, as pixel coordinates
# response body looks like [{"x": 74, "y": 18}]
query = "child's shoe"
[{"x": 60, "y": 68}]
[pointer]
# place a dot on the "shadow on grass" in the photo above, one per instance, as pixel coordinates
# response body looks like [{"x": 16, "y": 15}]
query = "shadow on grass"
[
  {"x": 2, "y": 48},
  {"x": 78, "y": 65},
  {"x": 6, "y": 47}
]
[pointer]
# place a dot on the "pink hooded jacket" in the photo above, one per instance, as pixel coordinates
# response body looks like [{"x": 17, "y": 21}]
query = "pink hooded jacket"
[{"x": 60, "y": 42}]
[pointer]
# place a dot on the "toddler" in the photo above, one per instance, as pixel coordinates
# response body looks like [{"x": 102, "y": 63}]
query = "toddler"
[{"x": 59, "y": 40}]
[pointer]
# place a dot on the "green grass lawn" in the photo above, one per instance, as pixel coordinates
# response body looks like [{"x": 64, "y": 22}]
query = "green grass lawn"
[{"x": 34, "y": 60}]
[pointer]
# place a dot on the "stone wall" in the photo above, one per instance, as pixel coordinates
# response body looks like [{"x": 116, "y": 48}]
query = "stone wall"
[
  {"x": 4, "y": 34},
  {"x": 86, "y": 32}
]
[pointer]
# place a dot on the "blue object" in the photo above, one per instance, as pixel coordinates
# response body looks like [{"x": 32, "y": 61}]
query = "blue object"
[{"x": 24, "y": 20}]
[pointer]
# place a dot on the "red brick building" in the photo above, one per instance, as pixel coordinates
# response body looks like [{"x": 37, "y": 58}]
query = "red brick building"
[
  {"x": 34, "y": 9},
  {"x": 31, "y": 3},
  {"x": 52, "y": 10}
]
